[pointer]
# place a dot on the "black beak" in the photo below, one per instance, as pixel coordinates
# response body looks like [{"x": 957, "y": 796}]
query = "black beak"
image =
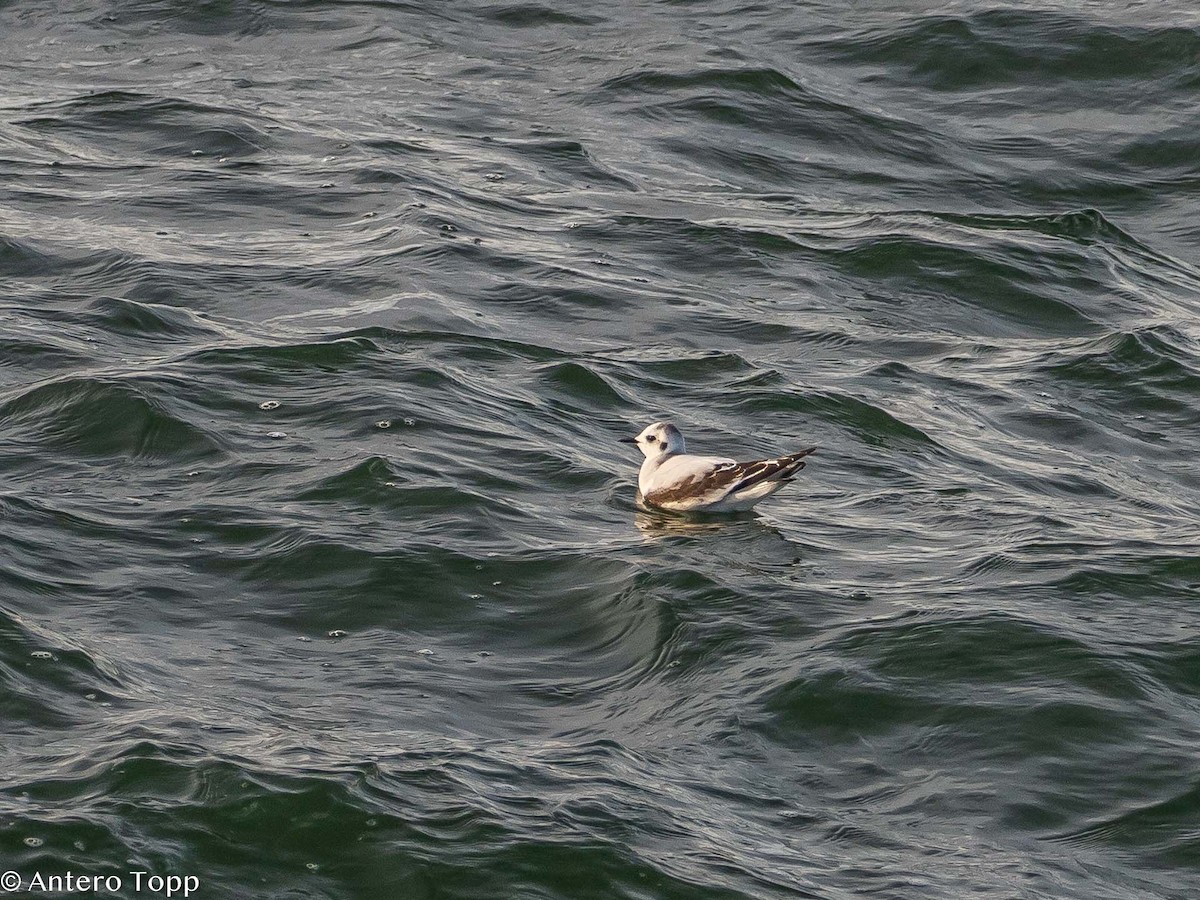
[{"x": 628, "y": 440}]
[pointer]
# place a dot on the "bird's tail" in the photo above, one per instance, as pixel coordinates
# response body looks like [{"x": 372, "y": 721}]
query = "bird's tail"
[
  {"x": 781, "y": 468},
  {"x": 795, "y": 463}
]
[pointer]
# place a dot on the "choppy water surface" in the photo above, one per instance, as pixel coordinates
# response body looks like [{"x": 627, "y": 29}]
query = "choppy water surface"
[{"x": 321, "y": 572}]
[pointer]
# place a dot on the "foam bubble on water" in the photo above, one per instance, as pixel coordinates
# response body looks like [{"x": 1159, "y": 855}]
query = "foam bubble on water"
[
  {"x": 410, "y": 422},
  {"x": 383, "y": 423},
  {"x": 312, "y": 867},
  {"x": 33, "y": 842},
  {"x": 269, "y": 404},
  {"x": 425, "y": 651},
  {"x": 42, "y": 654},
  {"x": 337, "y": 633},
  {"x": 276, "y": 434}
]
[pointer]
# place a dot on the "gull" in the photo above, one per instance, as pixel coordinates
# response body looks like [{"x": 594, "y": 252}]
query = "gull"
[{"x": 673, "y": 479}]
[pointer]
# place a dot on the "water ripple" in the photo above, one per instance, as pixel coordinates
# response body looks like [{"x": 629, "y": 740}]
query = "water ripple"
[{"x": 321, "y": 570}]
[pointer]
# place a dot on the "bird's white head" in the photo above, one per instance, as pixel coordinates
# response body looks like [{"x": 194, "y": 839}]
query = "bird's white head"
[{"x": 658, "y": 440}]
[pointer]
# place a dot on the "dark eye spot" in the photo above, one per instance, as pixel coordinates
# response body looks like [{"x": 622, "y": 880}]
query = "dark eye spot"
[{"x": 650, "y": 440}]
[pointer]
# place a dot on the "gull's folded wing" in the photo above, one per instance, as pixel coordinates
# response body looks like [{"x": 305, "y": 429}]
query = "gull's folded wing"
[{"x": 711, "y": 485}]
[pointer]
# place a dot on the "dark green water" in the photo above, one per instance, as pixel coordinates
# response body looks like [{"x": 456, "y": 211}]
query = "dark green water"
[{"x": 251, "y": 635}]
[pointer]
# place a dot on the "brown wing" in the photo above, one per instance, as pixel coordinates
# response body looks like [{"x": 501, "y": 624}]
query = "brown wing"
[
  {"x": 729, "y": 478},
  {"x": 713, "y": 483},
  {"x": 778, "y": 469}
]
